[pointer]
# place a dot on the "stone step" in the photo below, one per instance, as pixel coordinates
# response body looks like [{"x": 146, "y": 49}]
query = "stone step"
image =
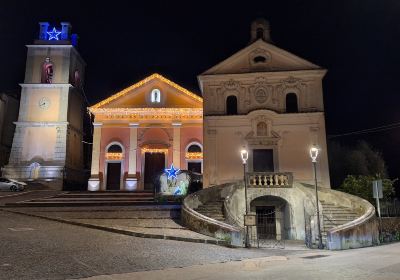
[
  {"x": 209, "y": 207},
  {"x": 211, "y": 212}
]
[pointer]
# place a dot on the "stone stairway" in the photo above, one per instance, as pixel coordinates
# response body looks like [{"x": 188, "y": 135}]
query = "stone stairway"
[
  {"x": 333, "y": 216},
  {"x": 105, "y": 198},
  {"x": 213, "y": 210}
]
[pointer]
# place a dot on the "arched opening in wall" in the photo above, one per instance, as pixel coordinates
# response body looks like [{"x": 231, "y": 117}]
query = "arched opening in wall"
[
  {"x": 77, "y": 79},
  {"x": 114, "y": 149},
  {"x": 47, "y": 72},
  {"x": 259, "y": 59},
  {"x": 262, "y": 129},
  {"x": 194, "y": 157},
  {"x": 273, "y": 218},
  {"x": 113, "y": 166},
  {"x": 291, "y": 103},
  {"x": 231, "y": 105},
  {"x": 260, "y": 33},
  {"x": 34, "y": 170},
  {"x": 155, "y": 96}
]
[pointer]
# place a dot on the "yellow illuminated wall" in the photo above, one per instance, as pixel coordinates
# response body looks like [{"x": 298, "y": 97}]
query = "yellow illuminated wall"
[{"x": 39, "y": 142}]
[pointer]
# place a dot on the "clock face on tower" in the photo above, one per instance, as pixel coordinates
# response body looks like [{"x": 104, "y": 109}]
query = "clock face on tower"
[{"x": 44, "y": 103}]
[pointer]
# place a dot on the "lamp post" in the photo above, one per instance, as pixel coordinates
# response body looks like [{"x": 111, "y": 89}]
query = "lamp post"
[
  {"x": 314, "y": 155},
  {"x": 245, "y": 155}
]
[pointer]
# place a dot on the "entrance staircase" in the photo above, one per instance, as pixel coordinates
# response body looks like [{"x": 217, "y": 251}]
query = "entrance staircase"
[
  {"x": 333, "y": 216},
  {"x": 105, "y": 198},
  {"x": 213, "y": 210}
]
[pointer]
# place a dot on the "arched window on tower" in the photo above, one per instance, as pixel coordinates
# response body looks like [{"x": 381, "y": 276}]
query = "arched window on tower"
[
  {"x": 291, "y": 103},
  {"x": 231, "y": 105},
  {"x": 47, "y": 72}
]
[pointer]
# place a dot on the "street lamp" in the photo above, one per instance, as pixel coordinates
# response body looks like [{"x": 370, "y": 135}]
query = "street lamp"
[
  {"x": 314, "y": 155},
  {"x": 245, "y": 155}
]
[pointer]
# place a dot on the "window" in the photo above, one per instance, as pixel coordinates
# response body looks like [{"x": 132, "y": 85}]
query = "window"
[
  {"x": 114, "y": 149},
  {"x": 194, "y": 148},
  {"x": 231, "y": 105},
  {"x": 291, "y": 103},
  {"x": 155, "y": 96},
  {"x": 262, "y": 129},
  {"x": 260, "y": 59},
  {"x": 260, "y": 33},
  {"x": 263, "y": 160},
  {"x": 47, "y": 72}
]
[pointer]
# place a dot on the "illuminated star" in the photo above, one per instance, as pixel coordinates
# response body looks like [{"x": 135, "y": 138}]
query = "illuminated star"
[
  {"x": 53, "y": 35},
  {"x": 171, "y": 172}
]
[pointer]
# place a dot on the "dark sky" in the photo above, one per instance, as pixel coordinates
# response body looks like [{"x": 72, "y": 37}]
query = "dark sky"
[{"x": 122, "y": 42}]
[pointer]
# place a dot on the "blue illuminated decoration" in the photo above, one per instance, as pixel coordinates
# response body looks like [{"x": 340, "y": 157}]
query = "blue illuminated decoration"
[
  {"x": 53, "y": 35},
  {"x": 171, "y": 172}
]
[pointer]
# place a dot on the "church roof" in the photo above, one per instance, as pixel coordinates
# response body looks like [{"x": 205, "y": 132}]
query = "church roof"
[
  {"x": 143, "y": 82},
  {"x": 277, "y": 59}
]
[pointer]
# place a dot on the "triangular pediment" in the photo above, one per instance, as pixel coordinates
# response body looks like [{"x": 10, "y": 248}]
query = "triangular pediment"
[
  {"x": 261, "y": 56},
  {"x": 138, "y": 95}
]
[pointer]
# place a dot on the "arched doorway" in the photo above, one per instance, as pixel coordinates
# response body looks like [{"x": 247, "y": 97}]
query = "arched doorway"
[
  {"x": 114, "y": 157},
  {"x": 273, "y": 220},
  {"x": 194, "y": 157}
]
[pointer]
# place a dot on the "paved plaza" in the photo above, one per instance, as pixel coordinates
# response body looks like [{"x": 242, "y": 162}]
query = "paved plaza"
[{"x": 43, "y": 243}]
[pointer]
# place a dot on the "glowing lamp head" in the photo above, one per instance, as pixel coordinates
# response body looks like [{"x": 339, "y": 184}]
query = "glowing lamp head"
[
  {"x": 245, "y": 155},
  {"x": 314, "y": 154}
]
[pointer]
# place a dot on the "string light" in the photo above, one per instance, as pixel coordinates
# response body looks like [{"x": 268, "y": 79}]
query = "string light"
[
  {"x": 194, "y": 155},
  {"x": 114, "y": 156},
  {"x": 141, "y": 83},
  {"x": 149, "y": 150},
  {"x": 149, "y": 113}
]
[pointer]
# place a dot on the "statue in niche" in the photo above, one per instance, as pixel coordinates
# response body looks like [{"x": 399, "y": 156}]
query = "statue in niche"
[{"x": 47, "y": 72}]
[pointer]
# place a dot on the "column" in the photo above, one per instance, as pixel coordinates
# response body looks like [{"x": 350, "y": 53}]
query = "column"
[
  {"x": 131, "y": 180},
  {"x": 94, "y": 181},
  {"x": 176, "y": 153}
]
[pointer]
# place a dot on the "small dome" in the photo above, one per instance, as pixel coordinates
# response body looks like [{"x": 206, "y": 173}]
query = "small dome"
[{"x": 260, "y": 29}]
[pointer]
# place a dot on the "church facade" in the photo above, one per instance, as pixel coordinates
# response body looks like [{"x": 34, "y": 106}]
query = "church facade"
[
  {"x": 269, "y": 102},
  {"x": 143, "y": 129}
]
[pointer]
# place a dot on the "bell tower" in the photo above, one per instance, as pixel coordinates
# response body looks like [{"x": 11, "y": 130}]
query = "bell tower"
[{"x": 47, "y": 145}]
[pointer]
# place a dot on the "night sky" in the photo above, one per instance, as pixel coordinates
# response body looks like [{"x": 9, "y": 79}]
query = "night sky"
[{"x": 123, "y": 42}]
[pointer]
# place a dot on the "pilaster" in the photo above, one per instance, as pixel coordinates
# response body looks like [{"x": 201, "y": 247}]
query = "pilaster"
[
  {"x": 96, "y": 149},
  {"x": 176, "y": 153}
]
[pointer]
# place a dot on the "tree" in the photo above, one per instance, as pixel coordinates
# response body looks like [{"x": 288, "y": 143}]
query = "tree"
[
  {"x": 358, "y": 160},
  {"x": 361, "y": 186}
]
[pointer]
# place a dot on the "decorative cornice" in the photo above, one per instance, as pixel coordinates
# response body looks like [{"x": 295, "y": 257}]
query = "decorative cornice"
[
  {"x": 40, "y": 85},
  {"x": 149, "y": 113},
  {"x": 41, "y": 124}
]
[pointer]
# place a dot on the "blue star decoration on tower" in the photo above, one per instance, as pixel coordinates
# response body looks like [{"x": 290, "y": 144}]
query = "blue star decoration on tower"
[
  {"x": 53, "y": 35},
  {"x": 171, "y": 172}
]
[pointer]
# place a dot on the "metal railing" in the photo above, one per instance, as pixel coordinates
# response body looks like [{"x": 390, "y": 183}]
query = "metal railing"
[
  {"x": 270, "y": 179},
  {"x": 390, "y": 208}
]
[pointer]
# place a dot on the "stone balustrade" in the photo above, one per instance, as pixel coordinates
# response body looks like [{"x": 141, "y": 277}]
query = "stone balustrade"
[{"x": 270, "y": 179}]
